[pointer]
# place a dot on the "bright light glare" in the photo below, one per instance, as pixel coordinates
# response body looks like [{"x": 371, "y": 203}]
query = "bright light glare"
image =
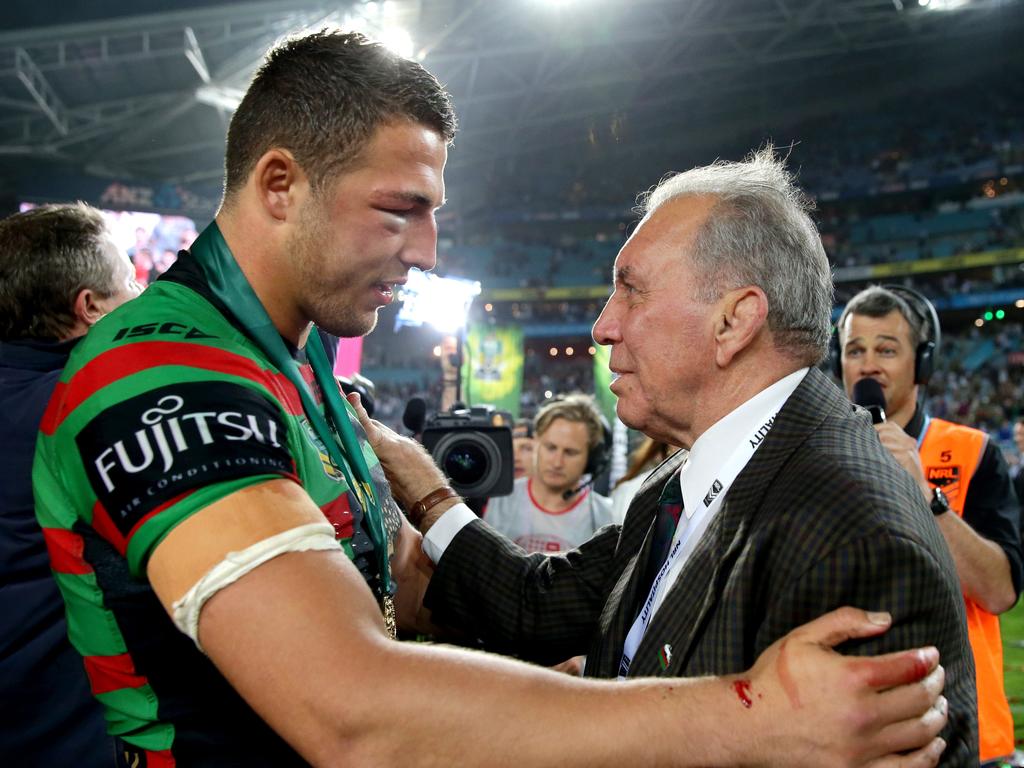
[
  {"x": 441, "y": 302},
  {"x": 397, "y": 40},
  {"x": 219, "y": 96},
  {"x": 382, "y": 22},
  {"x": 943, "y": 5}
]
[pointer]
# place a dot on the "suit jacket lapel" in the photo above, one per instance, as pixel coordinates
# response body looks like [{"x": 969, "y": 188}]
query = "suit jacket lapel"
[
  {"x": 634, "y": 543},
  {"x": 680, "y": 619}
]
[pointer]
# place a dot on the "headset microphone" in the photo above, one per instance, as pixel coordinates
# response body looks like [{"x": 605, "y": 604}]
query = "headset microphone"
[
  {"x": 595, "y": 468},
  {"x": 868, "y": 394},
  {"x": 566, "y": 495}
]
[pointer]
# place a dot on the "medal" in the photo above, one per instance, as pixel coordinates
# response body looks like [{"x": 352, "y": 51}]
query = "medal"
[{"x": 388, "y": 608}]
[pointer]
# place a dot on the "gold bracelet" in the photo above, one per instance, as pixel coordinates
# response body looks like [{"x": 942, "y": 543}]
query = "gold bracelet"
[{"x": 431, "y": 500}]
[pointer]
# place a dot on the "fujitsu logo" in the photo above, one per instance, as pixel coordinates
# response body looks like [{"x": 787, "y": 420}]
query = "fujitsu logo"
[{"x": 168, "y": 430}]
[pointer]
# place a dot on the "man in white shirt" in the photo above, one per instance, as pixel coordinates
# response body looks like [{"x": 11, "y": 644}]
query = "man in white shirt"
[
  {"x": 787, "y": 505},
  {"x": 554, "y": 509}
]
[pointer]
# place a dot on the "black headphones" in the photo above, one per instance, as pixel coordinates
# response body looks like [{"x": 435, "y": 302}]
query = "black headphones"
[
  {"x": 599, "y": 455},
  {"x": 927, "y": 348}
]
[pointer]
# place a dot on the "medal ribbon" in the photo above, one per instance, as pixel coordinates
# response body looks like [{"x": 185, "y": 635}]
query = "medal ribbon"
[{"x": 229, "y": 284}]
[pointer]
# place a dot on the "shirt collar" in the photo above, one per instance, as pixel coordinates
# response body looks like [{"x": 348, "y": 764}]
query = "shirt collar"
[
  {"x": 916, "y": 423},
  {"x": 720, "y": 440}
]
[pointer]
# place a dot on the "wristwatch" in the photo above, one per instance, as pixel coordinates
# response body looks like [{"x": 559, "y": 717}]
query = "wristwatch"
[{"x": 940, "y": 504}]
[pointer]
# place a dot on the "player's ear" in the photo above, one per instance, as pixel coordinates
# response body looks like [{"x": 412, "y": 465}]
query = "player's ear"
[{"x": 280, "y": 183}]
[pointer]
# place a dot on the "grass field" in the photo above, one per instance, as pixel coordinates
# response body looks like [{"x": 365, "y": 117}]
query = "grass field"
[{"x": 1013, "y": 662}]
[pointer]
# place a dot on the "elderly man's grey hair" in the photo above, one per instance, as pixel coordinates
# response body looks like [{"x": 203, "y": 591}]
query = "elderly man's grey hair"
[{"x": 759, "y": 233}]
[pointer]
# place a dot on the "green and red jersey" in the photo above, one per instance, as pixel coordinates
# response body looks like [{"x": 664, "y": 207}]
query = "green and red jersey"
[{"x": 164, "y": 408}]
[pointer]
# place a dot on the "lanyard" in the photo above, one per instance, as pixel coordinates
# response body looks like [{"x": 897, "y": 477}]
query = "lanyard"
[
  {"x": 691, "y": 532},
  {"x": 230, "y": 286}
]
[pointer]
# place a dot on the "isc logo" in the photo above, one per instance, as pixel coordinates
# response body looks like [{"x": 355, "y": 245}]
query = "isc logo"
[{"x": 169, "y": 329}]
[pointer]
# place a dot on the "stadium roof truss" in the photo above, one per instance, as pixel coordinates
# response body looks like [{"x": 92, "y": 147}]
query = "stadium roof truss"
[{"x": 149, "y": 96}]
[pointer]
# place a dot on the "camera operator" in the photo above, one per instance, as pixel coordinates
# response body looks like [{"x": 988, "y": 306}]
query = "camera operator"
[
  {"x": 554, "y": 509},
  {"x": 890, "y": 334}
]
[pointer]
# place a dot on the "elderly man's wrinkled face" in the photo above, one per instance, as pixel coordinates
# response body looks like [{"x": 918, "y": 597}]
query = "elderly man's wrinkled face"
[{"x": 661, "y": 336}]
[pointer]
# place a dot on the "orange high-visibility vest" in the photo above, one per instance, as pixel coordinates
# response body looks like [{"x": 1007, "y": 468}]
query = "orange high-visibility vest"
[{"x": 950, "y": 454}]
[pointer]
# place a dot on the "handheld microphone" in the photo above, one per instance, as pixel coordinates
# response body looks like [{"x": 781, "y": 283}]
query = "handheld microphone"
[
  {"x": 415, "y": 415},
  {"x": 868, "y": 394}
]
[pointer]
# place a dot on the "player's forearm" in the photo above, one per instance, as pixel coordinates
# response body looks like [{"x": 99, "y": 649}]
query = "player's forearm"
[
  {"x": 450, "y": 707},
  {"x": 982, "y": 566},
  {"x": 447, "y": 707},
  {"x": 311, "y": 657}
]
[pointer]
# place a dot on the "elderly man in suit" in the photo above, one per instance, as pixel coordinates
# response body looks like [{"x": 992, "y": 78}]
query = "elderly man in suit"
[{"x": 785, "y": 504}]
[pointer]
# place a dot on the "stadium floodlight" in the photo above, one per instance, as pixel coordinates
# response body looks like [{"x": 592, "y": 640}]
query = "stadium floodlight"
[
  {"x": 382, "y": 22},
  {"x": 441, "y": 302},
  {"x": 397, "y": 40}
]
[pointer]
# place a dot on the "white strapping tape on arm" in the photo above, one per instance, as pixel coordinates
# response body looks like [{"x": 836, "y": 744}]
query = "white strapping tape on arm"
[{"x": 185, "y": 611}]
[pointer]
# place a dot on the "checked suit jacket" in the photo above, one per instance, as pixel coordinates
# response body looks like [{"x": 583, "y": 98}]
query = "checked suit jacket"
[{"x": 821, "y": 517}]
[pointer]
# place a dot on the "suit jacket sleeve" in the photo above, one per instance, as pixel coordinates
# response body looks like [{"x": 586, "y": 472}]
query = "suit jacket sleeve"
[
  {"x": 543, "y": 608},
  {"x": 897, "y": 574}
]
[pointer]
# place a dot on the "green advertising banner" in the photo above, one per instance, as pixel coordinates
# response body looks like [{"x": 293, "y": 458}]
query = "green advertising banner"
[
  {"x": 602, "y": 379},
  {"x": 492, "y": 368}
]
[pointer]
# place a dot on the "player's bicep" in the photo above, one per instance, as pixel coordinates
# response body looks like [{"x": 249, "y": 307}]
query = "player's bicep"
[{"x": 232, "y": 524}]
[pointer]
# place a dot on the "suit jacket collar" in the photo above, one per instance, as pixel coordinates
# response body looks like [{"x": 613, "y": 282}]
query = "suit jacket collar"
[{"x": 678, "y": 623}]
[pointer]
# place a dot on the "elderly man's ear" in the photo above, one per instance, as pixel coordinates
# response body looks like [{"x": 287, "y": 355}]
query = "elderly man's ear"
[{"x": 741, "y": 315}]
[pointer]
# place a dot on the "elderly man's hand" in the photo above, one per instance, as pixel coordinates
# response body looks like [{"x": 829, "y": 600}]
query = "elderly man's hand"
[
  {"x": 409, "y": 468},
  {"x": 821, "y": 708}
]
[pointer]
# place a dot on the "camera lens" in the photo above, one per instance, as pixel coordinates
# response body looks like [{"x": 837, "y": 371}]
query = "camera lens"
[
  {"x": 465, "y": 463},
  {"x": 470, "y": 459}
]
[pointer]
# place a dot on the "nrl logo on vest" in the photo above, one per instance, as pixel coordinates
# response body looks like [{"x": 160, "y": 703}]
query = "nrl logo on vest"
[{"x": 947, "y": 478}]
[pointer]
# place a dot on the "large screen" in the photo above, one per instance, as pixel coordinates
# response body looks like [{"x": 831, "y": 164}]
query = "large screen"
[{"x": 152, "y": 240}]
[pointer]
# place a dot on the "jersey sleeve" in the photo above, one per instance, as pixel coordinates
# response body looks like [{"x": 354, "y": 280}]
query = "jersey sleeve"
[{"x": 141, "y": 461}]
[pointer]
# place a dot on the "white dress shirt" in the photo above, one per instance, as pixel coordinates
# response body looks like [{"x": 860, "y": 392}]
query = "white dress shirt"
[{"x": 699, "y": 472}]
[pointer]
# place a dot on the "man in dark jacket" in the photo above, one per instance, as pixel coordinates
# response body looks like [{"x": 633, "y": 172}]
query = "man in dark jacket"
[{"x": 60, "y": 271}]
